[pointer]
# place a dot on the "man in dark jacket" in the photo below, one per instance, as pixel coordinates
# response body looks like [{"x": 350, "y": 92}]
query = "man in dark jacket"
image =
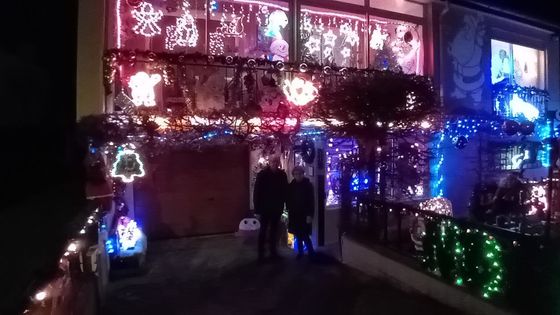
[
  {"x": 301, "y": 207},
  {"x": 269, "y": 198}
]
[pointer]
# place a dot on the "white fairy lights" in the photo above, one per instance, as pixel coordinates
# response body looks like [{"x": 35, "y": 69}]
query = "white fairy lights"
[
  {"x": 147, "y": 18},
  {"x": 299, "y": 91},
  {"x": 438, "y": 205},
  {"x": 184, "y": 33},
  {"x": 142, "y": 88}
]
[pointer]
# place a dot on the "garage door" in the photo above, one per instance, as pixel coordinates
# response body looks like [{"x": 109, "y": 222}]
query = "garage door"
[{"x": 194, "y": 193}]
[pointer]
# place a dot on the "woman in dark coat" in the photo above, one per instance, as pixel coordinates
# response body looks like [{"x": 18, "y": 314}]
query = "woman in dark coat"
[{"x": 301, "y": 206}]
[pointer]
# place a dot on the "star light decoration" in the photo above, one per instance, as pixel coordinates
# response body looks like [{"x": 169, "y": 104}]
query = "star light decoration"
[
  {"x": 299, "y": 91},
  {"x": 352, "y": 36},
  {"x": 327, "y": 52},
  {"x": 184, "y": 33},
  {"x": 377, "y": 38},
  {"x": 313, "y": 44},
  {"x": 329, "y": 38},
  {"x": 345, "y": 52},
  {"x": 147, "y": 17}
]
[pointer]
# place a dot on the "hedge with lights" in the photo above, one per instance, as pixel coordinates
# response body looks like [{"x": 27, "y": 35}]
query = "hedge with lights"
[{"x": 466, "y": 257}]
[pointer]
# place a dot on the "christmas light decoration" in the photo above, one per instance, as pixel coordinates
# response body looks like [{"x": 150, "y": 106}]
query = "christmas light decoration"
[
  {"x": 467, "y": 257},
  {"x": 216, "y": 43},
  {"x": 299, "y": 91},
  {"x": 438, "y": 205},
  {"x": 184, "y": 33},
  {"x": 128, "y": 166},
  {"x": 128, "y": 233},
  {"x": 147, "y": 17},
  {"x": 328, "y": 52},
  {"x": 493, "y": 257},
  {"x": 360, "y": 181},
  {"x": 313, "y": 44},
  {"x": 306, "y": 25},
  {"x": 119, "y": 23},
  {"x": 352, "y": 38},
  {"x": 142, "y": 88},
  {"x": 345, "y": 52},
  {"x": 329, "y": 38},
  {"x": 234, "y": 29},
  {"x": 377, "y": 38},
  {"x": 538, "y": 201},
  {"x": 437, "y": 177},
  {"x": 514, "y": 101},
  {"x": 213, "y": 5},
  {"x": 521, "y": 108},
  {"x": 277, "y": 20}
]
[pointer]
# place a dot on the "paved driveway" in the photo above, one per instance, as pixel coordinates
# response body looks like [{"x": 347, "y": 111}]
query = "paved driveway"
[{"x": 220, "y": 276}]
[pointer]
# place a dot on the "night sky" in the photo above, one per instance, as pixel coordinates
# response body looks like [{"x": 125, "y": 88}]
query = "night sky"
[{"x": 539, "y": 9}]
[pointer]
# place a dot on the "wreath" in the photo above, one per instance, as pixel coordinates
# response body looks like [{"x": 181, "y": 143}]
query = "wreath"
[{"x": 308, "y": 151}]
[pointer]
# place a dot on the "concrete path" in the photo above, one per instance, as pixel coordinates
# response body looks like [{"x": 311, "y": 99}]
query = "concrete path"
[{"x": 220, "y": 276}]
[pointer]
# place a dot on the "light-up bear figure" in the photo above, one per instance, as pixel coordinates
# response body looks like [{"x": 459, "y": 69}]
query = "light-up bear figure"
[
  {"x": 142, "y": 88},
  {"x": 277, "y": 20}
]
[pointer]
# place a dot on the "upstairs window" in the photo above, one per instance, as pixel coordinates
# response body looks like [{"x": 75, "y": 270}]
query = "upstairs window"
[
  {"x": 518, "y": 65},
  {"x": 332, "y": 37}
]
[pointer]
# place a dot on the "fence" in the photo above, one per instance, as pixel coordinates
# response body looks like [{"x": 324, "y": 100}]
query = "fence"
[{"x": 513, "y": 270}]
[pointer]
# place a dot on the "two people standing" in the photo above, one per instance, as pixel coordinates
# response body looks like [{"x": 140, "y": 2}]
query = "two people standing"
[{"x": 271, "y": 192}]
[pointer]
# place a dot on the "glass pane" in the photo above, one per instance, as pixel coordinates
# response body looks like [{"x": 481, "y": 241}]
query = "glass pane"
[
  {"x": 517, "y": 64},
  {"x": 528, "y": 66},
  {"x": 249, "y": 28},
  {"x": 400, "y": 6},
  {"x": 177, "y": 26},
  {"x": 396, "y": 44},
  {"x": 332, "y": 37}
]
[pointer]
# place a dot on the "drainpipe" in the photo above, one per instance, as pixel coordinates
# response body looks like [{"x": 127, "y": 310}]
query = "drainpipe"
[{"x": 441, "y": 50}]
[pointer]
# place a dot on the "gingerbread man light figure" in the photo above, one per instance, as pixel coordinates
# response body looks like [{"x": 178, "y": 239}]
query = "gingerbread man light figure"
[{"x": 142, "y": 88}]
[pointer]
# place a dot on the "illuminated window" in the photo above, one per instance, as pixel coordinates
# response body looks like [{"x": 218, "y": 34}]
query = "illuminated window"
[
  {"x": 516, "y": 157},
  {"x": 338, "y": 149},
  {"x": 179, "y": 27},
  {"x": 331, "y": 37},
  {"x": 517, "y": 64},
  {"x": 395, "y": 44},
  {"x": 250, "y": 28}
]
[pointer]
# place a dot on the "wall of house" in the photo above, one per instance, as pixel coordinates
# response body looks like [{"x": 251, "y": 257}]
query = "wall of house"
[
  {"x": 91, "y": 45},
  {"x": 466, "y": 83}
]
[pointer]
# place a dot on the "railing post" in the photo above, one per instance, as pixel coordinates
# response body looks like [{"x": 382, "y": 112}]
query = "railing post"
[
  {"x": 385, "y": 223},
  {"x": 399, "y": 228}
]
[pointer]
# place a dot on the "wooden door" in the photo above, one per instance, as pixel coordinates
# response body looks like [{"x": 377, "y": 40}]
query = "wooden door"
[{"x": 194, "y": 193}]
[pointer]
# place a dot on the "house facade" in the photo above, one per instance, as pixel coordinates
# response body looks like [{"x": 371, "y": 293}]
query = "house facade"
[{"x": 471, "y": 53}]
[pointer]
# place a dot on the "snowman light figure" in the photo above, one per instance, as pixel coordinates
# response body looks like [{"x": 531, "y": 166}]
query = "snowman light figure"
[
  {"x": 279, "y": 49},
  {"x": 142, "y": 88}
]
